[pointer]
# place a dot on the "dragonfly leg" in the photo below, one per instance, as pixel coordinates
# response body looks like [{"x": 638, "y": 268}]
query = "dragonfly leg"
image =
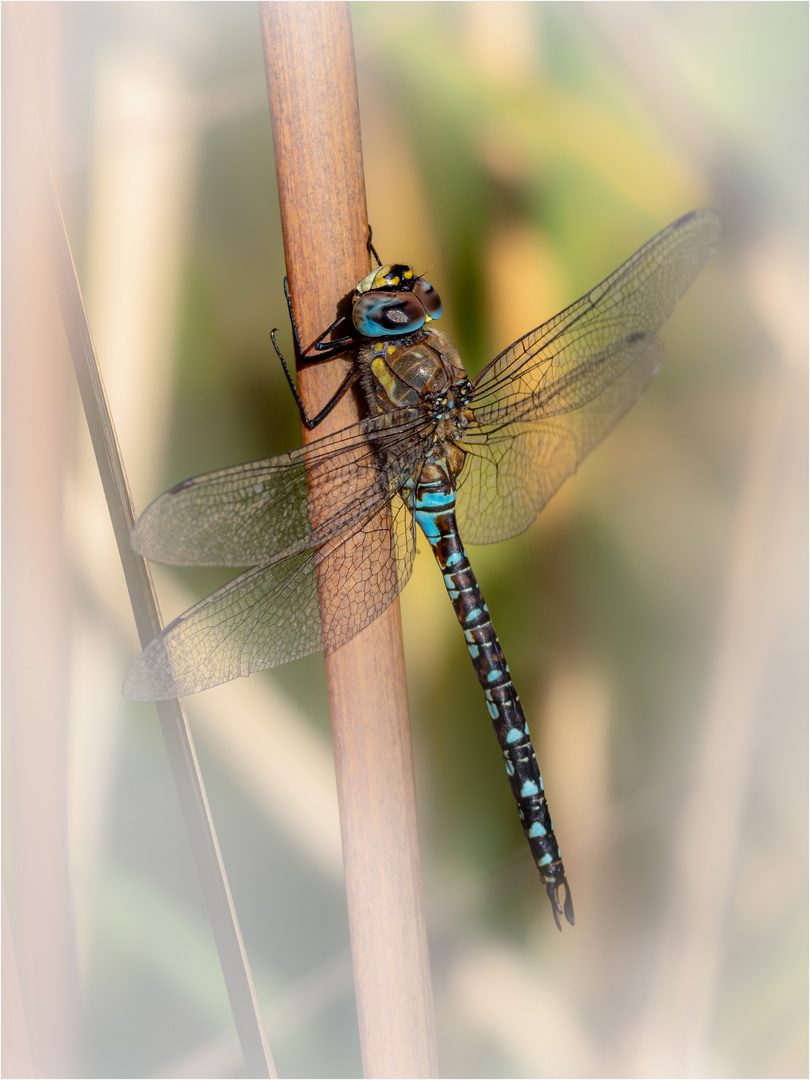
[
  {"x": 327, "y": 349},
  {"x": 372, "y": 250},
  {"x": 311, "y": 422}
]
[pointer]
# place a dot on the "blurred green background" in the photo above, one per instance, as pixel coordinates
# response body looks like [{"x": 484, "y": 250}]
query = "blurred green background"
[{"x": 654, "y": 616}]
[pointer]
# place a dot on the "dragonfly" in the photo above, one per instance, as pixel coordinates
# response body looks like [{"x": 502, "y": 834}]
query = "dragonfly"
[{"x": 329, "y": 530}]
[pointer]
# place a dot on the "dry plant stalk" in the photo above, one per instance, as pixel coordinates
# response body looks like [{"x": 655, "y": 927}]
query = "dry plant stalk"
[{"x": 313, "y": 104}]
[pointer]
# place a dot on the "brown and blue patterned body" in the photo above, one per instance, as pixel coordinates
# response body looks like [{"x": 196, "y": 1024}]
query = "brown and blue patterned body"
[
  {"x": 423, "y": 370},
  {"x": 478, "y": 457}
]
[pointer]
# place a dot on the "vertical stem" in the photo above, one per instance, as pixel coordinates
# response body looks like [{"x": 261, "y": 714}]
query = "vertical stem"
[
  {"x": 176, "y": 732},
  {"x": 35, "y": 427},
  {"x": 313, "y": 104},
  {"x": 34, "y": 443}
]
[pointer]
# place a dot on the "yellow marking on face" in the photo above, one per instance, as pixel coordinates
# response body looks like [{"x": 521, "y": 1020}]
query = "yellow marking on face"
[
  {"x": 380, "y": 278},
  {"x": 408, "y": 274}
]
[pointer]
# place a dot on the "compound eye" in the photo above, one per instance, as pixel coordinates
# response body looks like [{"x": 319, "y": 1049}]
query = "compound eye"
[
  {"x": 387, "y": 314},
  {"x": 428, "y": 298}
]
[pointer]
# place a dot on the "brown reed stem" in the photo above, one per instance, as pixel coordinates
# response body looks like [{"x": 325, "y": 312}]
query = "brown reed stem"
[{"x": 312, "y": 92}]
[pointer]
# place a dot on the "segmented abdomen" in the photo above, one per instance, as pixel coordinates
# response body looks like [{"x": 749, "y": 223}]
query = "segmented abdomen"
[{"x": 433, "y": 503}]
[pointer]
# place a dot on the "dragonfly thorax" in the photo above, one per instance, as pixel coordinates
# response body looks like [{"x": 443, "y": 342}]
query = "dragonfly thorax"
[{"x": 422, "y": 370}]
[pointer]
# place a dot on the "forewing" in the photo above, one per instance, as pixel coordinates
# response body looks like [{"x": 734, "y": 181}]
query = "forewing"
[
  {"x": 547, "y": 400},
  {"x": 509, "y": 477},
  {"x": 247, "y": 514},
  {"x": 275, "y": 613},
  {"x": 321, "y": 584}
]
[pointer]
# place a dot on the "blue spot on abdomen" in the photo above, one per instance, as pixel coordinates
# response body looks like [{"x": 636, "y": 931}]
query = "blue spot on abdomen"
[
  {"x": 433, "y": 500},
  {"x": 427, "y": 523}
]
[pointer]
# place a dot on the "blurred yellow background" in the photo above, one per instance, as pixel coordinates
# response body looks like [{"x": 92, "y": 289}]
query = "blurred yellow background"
[{"x": 654, "y": 617}]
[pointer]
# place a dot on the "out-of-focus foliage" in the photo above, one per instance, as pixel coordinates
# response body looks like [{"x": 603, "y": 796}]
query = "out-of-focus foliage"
[{"x": 654, "y": 617}]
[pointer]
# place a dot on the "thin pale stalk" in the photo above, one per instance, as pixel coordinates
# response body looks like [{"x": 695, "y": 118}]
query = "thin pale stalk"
[
  {"x": 44, "y": 1019},
  {"x": 176, "y": 732},
  {"x": 312, "y": 91}
]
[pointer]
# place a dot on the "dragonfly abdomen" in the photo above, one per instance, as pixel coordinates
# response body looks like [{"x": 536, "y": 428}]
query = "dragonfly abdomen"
[{"x": 433, "y": 503}]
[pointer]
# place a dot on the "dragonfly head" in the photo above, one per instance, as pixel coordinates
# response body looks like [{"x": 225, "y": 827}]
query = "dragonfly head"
[{"x": 392, "y": 300}]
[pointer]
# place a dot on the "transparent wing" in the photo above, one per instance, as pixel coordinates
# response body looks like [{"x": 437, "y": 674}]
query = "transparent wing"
[
  {"x": 543, "y": 404},
  {"x": 247, "y": 514},
  {"x": 319, "y": 587},
  {"x": 274, "y": 613}
]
